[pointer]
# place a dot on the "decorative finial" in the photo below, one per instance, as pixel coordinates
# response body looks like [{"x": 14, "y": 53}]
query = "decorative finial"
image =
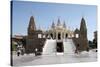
[
  {"x": 64, "y": 25},
  {"x": 58, "y": 22},
  {"x": 53, "y": 25}
]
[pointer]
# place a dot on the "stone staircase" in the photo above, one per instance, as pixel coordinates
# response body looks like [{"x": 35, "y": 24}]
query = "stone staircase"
[
  {"x": 69, "y": 46},
  {"x": 49, "y": 47}
]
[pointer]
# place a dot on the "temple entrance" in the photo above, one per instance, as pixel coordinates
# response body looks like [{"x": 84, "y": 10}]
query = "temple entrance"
[
  {"x": 59, "y": 36},
  {"x": 59, "y": 47},
  {"x": 66, "y": 35}
]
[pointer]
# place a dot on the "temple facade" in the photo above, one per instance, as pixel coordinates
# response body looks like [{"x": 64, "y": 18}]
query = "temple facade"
[
  {"x": 59, "y": 31},
  {"x": 36, "y": 39}
]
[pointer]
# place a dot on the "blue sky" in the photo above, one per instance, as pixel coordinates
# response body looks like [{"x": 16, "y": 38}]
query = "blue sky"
[{"x": 46, "y": 13}]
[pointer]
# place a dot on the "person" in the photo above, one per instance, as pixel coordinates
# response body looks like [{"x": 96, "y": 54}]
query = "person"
[
  {"x": 77, "y": 49},
  {"x": 87, "y": 49},
  {"x": 18, "y": 52},
  {"x": 22, "y": 50}
]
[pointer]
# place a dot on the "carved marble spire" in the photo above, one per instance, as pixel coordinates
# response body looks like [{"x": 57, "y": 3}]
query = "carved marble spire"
[
  {"x": 53, "y": 25},
  {"x": 58, "y": 22},
  {"x": 64, "y": 25}
]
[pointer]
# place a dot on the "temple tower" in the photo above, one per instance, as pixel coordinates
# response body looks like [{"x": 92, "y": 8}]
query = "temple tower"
[
  {"x": 34, "y": 40},
  {"x": 83, "y": 35},
  {"x": 80, "y": 38},
  {"x": 83, "y": 29},
  {"x": 31, "y": 26}
]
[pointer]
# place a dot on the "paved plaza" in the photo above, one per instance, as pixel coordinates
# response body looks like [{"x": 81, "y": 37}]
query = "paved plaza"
[{"x": 28, "y": 60}]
